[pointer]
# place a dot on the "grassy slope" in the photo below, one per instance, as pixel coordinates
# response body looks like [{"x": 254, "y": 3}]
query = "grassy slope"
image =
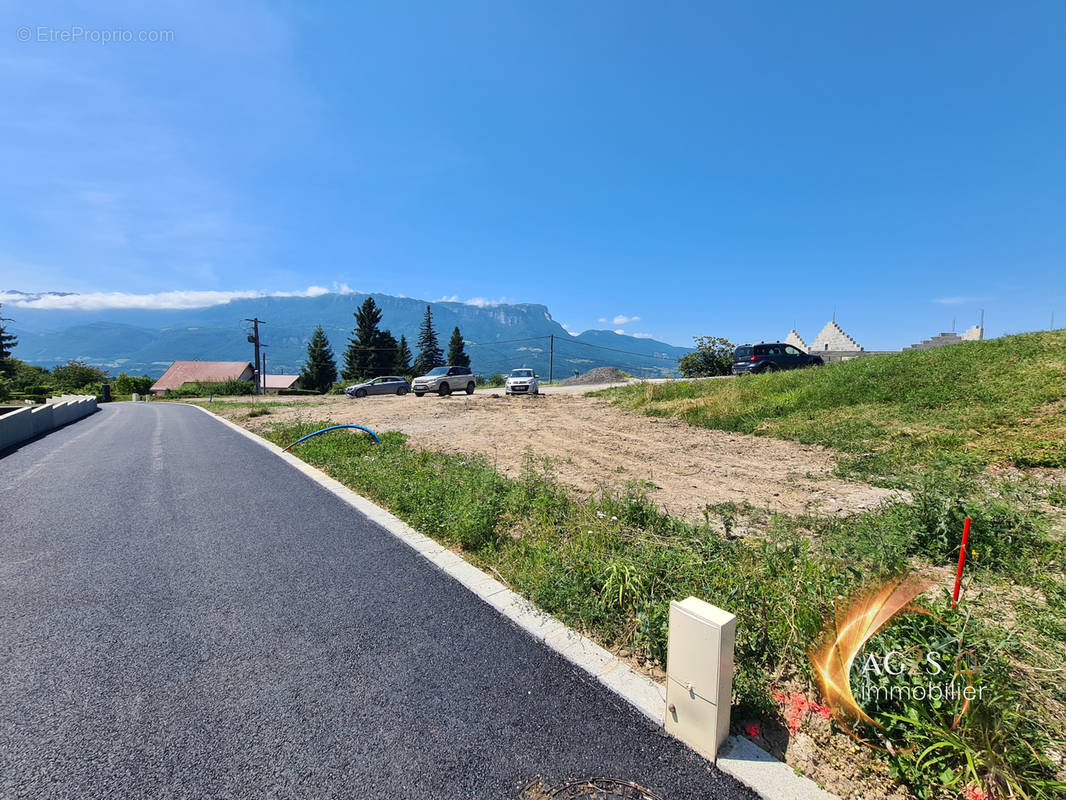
[{"x": 1002, "y": 400}]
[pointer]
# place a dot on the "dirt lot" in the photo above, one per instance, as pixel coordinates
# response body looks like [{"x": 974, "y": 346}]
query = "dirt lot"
[{"x": 592, "y": 444}]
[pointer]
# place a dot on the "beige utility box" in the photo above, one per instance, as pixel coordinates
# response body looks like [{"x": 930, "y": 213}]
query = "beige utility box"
[{"x": 699, "y": 674}]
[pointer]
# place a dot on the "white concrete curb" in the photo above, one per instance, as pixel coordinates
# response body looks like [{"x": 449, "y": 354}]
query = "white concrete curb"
[{"x": 738, "y": 757}]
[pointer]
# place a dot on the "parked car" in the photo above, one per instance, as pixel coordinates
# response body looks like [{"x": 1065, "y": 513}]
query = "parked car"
[
  {"x": 444, "y": 381},
  {"x": 770, "y": 357},
  {"x": 390, "y": 384},
  {"x": 522, "y": 381}
]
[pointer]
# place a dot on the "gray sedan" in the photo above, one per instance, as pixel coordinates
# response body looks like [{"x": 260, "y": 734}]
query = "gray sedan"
[{"x": 389, "y": 384}]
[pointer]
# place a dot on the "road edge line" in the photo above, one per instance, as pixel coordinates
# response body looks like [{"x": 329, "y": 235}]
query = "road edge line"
[{"x": 738, "y": 757}]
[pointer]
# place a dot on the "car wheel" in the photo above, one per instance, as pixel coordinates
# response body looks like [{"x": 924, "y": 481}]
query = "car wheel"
[
  {"x": 419, "y": 394},
  {"x": 360, "y": 392},
  {"x": 770, "y": 368},
  {"x": 444, "y": 390},
  {"x": 470, "y": 388},
  {"x": 401, "y": 391}
]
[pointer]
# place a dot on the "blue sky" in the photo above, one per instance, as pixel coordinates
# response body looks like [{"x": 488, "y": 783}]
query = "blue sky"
[{"x": 708, "y": 168}]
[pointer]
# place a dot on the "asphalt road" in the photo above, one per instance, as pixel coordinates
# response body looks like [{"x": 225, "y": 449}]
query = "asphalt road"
[{"x": 184, "y": 615}]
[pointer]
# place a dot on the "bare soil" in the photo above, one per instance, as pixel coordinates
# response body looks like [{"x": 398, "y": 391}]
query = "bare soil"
[{"x": 592, "y": 444}]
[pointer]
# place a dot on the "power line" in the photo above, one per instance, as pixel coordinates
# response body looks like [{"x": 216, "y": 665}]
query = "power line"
[
  {"x": 504, "y": 341},
  {"x": 465, "y": 344},
  {"x": 616, "y": 350}
]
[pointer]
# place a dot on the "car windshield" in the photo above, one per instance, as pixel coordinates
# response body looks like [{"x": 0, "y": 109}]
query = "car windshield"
[
  {"x": 521, "y": 373},
  {"x": 437, "y": 371},
  {"x": 742, "y": 352}
]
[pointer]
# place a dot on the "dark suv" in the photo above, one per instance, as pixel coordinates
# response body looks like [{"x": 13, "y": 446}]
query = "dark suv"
[{"x": 770, "y": 357}]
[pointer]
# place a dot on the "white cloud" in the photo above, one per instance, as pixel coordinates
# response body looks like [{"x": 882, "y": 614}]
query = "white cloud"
[
  {"x": 97, "y": 301},
  {"x": 622, "y": 319},
  {"x": 481, "y": 302},
  {"x": 643, "y": 336},
  {"x": 602, "y": 319},
  {"x": 568, "y": 330},
  {"x": 620, "y": 332},
  {"x": 477, "y": 302}
]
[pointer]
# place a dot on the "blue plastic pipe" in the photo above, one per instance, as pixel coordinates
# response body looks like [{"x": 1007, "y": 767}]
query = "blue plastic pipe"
[{"x": 332, "y": 428}]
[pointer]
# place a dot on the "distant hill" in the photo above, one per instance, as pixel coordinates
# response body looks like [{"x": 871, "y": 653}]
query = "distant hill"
[{"x": 499, "y": 337}]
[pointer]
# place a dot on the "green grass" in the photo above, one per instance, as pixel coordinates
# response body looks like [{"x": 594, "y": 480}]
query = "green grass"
[
  {"x": 611, "y": 565},
  {"x": 977, "y": 403}
]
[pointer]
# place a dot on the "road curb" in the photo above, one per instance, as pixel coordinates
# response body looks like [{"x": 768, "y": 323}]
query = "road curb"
[{"x": 740, "y": 758}]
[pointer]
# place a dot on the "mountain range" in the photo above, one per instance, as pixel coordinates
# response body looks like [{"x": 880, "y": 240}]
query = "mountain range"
[{"x": 140, "y": 341}]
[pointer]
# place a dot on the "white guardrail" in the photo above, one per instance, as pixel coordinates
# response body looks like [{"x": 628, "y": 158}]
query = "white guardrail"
[{"x": 25, "y": 423}]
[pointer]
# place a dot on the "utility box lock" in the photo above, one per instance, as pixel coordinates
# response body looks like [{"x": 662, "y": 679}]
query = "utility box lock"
[{"x": 699, "y": 674}]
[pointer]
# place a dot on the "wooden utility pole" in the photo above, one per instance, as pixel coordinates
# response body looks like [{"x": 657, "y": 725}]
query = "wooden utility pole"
[
  {"x": 551, "y": 355},
  {"x": 254, "y": 339}
]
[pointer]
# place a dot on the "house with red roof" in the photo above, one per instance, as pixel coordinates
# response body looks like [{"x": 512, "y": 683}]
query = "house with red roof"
[{"x": 181, "y": 372}]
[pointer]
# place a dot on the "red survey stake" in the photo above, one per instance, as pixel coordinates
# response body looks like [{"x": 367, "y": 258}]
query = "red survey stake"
[{"x": 962, "y": 561}]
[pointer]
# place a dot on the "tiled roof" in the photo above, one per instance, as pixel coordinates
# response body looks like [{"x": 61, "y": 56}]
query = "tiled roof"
[{"x": 182, "y": 372}]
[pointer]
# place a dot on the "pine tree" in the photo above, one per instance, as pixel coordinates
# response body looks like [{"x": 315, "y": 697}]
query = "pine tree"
[
  {"x": 456, "y": 354},
  {"x": 358, "y": 356},
  {"x": 429, "y": 353},
  {"x": 402, "y": 365},
  {"x": 320, "y": 369},
  {"x": 383, "y": 358},
  {"x": 7, "y": 341}
]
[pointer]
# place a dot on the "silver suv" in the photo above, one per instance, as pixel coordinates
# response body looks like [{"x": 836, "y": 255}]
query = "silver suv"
[{"x": 444, "y": 381}]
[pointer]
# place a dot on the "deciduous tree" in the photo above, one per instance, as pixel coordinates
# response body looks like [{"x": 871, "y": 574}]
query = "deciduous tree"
[
  {"x": 76, "y": 375},
  {"x": 713, "y": 356}
]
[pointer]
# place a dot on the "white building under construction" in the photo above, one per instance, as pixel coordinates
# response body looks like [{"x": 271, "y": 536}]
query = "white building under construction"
[{"x": 834, "y": 344}]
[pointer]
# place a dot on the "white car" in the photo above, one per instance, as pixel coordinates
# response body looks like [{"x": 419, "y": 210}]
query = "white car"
[
  {"x": 522, "y": 381},
  {"x": 444, "y": 381}
]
